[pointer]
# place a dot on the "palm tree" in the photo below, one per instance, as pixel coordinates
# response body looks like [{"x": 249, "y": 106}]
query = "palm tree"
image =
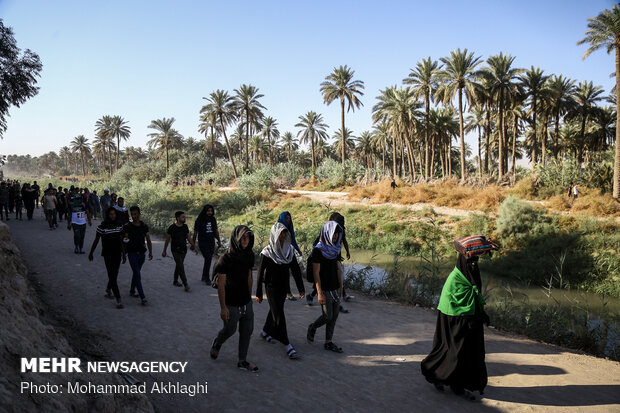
[
  {"x": 102, "y": 130},
  {"x": 313, "y": 129},
  {"x": 561, "y": 92},
  {"x": 586, "y": 96},
  {"x": 119, "y": 130},
  {"x": 270, "y": 131},
  {"x": 164, "y": 138},
  {"x": 348, "y": 139},
  {"x": 476, "y": 121},
  {"x": 604, "y": 31},
  {"x": 534, "y": 82},
  {"x": 80, "y": 145},
  {"x": 459, "y": 76},
  {"x": 247, "y": 105},
  {"x": 65, "y": 154},
  {"x": 424, "y": 83},
  {"x": 340, "y": 85},
  {"x": 208, "y": 125},
  {"x": 501, "y": 76},
  {"x": 380, "y": 139},
  {"x": 288, "y": 142},
  {"x": 364, "y": 148},
  {"x": 223, "y": 107}
]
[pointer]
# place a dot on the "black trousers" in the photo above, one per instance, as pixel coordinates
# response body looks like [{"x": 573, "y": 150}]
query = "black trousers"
[
  {"x": 112, "y": 265},
  {"x": 275, "y": 325}
]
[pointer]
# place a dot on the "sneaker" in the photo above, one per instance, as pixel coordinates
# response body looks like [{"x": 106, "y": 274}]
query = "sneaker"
[
  {"x": 348, "y": 297},
  {"x": 309, "y": 299},
  {"x": 144, "y": 301},
  {"x": 133, "y": 294},
  {"x": 186, "y": 288},
  {"x": 82, "y": 252},
  {"x": 177, "y": 284},
  {"x": 76, "y": 250},
  {"x": 120, "y": 305},
  {"x": 343, "y": 310},
  {"x": 291, "y": 298}
]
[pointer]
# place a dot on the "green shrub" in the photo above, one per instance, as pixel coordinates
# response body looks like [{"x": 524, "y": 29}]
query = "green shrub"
[
  {"x": 330, "y": 171},
  {"x": 517, "y": 220},
  {"x": 223, "y": 174}
]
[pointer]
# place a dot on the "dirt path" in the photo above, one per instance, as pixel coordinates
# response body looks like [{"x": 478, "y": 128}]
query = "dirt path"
[
  {"x": 341, "y": 199},
  {"x": 379, "y": 371}
]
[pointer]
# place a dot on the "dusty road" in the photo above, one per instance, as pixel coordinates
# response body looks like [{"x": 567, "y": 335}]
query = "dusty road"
[{"x": 379, "y": 371}]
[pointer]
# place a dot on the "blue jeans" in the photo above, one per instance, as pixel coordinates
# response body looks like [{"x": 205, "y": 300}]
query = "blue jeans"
[{"x": 136, "y": 260}]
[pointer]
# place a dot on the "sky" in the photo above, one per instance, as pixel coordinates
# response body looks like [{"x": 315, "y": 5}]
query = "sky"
[{"x": 145, "y": 60}]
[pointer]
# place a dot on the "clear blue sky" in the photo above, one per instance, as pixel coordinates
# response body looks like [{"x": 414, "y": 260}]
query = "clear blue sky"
[{"x": 145, "y": 60}]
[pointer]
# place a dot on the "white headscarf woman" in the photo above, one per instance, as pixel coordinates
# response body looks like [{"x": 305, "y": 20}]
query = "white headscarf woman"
[{"x": 279, "y": 249}]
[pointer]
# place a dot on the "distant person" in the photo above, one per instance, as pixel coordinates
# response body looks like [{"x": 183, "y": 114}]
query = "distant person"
[
  {"x": 106, "y": 201},
  {"x": 37, "y": 192},
  {"x": 457, "y": 357},
  {"x": 570, "y": 191},
  {"x": 4, "y": 201},
  {"x": 136, "y": 233},
  {"x": 96, "y": 204},
  {"x": 277, "y": 261},
  {"x": 234, "y": 290},
  {"x": 328, "y": 280},
  {"x": 178, "y": 236},
  {"x": 205, "y": 229},
  {"x": 12, "y": 190},
  {"x": 29, "y": 196},
  {"x": 575, "y": 192},
  {"x": 50, "y": 205},
  {"x": 121, "y": 211},
  {"x": 210, "y": 181},
  {"x": 19, "y": 204},
  {"x": 77, "y": 217},
  {"x": 61, "y": 206},
  {"x": 110, "y": 231},
  {"x": 393, "y": 185}
]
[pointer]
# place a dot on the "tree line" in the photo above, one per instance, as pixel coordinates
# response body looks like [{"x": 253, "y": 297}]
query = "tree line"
[{"x": 514, "y": 112}]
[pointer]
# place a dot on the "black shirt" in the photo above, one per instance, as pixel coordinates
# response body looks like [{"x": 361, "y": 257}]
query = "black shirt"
[
  {"x": 111, "y": 238},
  {"x": 206, "y": 229},
  {"x": 328, "y": 272},
  {"x": 237, "y": 274},
  {"x": 137, "y": 236},
  {"x": 178, "y": 238},
  {"x": 277, "y": 275}
]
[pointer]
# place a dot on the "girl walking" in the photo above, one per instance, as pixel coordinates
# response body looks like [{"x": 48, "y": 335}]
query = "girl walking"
[
  {"x": 234, "y": 285},
  {"x": 328, "y": 279},
  {"x": 205, "y": 229},
  {"x": 110, "y": 231},
  {"x": 276, "y": 260}
]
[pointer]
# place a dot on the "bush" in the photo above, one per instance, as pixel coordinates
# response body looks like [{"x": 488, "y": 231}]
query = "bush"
[
  {"x": 257, "y": 185},
  {"x": 330, "y": 171},
  {"x": 519, "y": 220},
  {"x": 223, "y": 174}
]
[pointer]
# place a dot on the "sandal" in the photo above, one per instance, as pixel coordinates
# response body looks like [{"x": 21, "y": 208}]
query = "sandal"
[
  {"x": 292, "y": 354},
  {"x": 268, "y": 338},
  {"x": 244, "y": 365},
  {"x": 215, "y": 350},
  {"x": 310, "y": 334},
  {"x": 332, "y": 347},
  {"x": 291, "y": 298}
]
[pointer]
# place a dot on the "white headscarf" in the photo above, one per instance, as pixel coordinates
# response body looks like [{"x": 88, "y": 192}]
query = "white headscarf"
[{"x": 279, "y": 253}]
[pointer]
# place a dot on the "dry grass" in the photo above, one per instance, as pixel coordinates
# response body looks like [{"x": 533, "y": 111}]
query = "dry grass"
[
  {"x": 590, "y": 202},
  {"x": 448, "y": 193}
]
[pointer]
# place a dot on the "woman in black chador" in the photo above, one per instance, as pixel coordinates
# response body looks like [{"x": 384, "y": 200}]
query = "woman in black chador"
[{"x": 457, "y": 358}]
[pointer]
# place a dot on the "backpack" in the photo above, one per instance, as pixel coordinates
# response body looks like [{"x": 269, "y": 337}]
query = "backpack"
[
  {"x": 214, "y": 281},
  {"x": 309, "y": 271}
]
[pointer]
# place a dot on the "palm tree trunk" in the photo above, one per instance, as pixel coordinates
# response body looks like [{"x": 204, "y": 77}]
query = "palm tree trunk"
[
  {"x": 383, "y": 157},
  {"x": 426, "y": 137},
  {"x": 247, "y": 140},
  {"x": 313, "y": 159},
  {"x": 514, "y": 144},
  {"x": 432, "y": 165},
  {"x": 167, "y": 159},
  {"x": 213, "y": 146},
  {"x": 616, "y": 187},
  {"x": 395, "y": 153},
  {"x": 232, "y": 161},
  {"x": 501, "y": 135},
  {"x": 544, "y": 137},
  {"x": 450, "y": 157},
  {"x": 410, "y": 159},
  {"x": 462, "y": 134},
  {"x": 535, "y": 139},
  {"x": 342, "y": 130},
  {"x": 582, "y": 138},
  {"x": 83, "y": 165},
  {"x": 118, "y": 150},
  {"x": 479, "y": 152},
  {"x": 487, "y": 133},
  {"x": 556, "y": 143}
]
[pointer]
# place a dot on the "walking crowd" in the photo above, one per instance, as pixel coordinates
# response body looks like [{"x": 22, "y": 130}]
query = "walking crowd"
[{"x": 457, "y": 358}]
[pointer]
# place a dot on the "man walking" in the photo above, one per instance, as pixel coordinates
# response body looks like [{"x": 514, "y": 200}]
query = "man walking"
[
  {"x": 178, "y": 236},
  {"x": 136, "y": 232},
  {"x": 77, "y": 216}
]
